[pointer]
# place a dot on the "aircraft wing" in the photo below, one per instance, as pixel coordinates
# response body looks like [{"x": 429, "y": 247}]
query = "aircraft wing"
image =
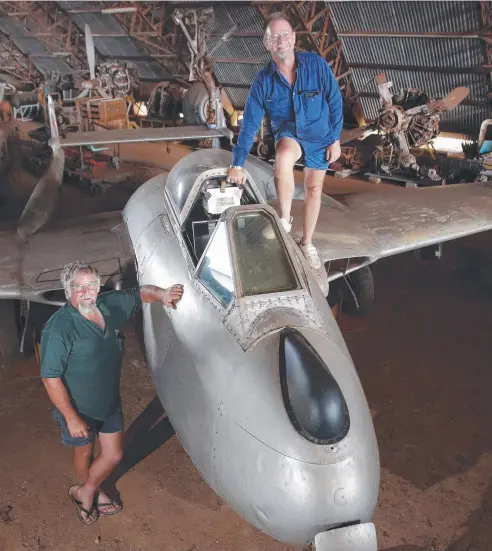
[
  {"x": 131, "y": 135},
  {"x": 385, "y": 221},
  {"x": 402, "y": 220},
  {"x": 30, "y": 269}
]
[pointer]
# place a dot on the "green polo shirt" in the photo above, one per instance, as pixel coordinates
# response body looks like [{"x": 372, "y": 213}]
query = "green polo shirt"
[{"x": 86, "y": 358}]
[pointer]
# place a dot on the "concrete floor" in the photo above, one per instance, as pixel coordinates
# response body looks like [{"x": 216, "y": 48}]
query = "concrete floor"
[{"x": 423, "y": 356}]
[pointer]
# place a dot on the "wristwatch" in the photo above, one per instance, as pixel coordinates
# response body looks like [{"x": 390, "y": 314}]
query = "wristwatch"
[{"x": 234, "y": 166}]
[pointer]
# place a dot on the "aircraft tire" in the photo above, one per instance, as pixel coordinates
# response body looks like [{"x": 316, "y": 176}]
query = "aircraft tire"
[
  {"x": 195, "y": 104},
  {"x": 9, "y": 334},
  {"x": 362, "y": 283}
]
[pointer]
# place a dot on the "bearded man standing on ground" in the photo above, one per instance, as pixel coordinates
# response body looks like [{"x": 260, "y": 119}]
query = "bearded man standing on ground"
[
  {"x": 81, "y": 357},
  {"x": 299, "y": 93}
]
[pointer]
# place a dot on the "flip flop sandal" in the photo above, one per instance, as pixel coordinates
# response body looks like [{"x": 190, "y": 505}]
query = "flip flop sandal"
[
  {"x": 80, "y": 509},
  {"x": 109, "y": 503}
]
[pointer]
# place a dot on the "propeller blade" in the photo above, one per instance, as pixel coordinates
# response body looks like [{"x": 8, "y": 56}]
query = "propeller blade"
[
  {"x": 455, "y": 97},
  {"x": 381, "y": 79},
  {"x": 44, "y": 198},
  {"x": 352, "y": 134},
  {"x": 384, "y": 89},
  {"x": 91, "y": 53}
]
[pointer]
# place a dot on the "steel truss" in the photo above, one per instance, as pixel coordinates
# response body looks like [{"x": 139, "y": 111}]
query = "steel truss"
[{"x": 315, "y": 33}]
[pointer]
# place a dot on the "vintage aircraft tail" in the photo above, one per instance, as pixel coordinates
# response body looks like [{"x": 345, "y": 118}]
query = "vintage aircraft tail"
[{"x": 43, "y": 200}]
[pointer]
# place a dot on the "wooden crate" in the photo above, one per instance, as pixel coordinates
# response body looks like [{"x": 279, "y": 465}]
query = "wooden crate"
[{"x": 103, "y": 113}]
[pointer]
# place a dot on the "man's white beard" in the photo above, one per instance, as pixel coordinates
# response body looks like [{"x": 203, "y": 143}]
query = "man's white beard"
[
  {"x": 87, "y": 306},
  {"x": 283, "y": 55}
]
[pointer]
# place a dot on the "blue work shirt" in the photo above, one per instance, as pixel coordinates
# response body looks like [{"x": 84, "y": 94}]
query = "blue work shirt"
[{"x": 313, "y": 105}]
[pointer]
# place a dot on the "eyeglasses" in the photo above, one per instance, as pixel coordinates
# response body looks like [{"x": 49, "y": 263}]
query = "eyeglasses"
[
  {"x": 287, "y": 35},
  {"x": 80, "y": 288}
]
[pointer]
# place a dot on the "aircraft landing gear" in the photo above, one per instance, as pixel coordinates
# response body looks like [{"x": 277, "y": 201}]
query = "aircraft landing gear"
[{"x": 354, "y": 292}]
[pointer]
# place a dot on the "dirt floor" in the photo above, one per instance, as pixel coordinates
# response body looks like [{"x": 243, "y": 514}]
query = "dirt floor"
[{"x": 423, "y": 356}]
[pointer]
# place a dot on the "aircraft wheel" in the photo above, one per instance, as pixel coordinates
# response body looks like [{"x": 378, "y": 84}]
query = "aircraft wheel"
[
  {"x": 9, "y": 333},
  {"x": 361, "y": 283},
  {"x": 262, "y": 149},
  {"x": 195, "y": 104}
]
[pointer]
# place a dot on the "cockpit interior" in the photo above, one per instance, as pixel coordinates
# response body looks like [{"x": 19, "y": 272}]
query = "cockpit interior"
[
  {"x": 259, "y": 261},
  {"x": 214, "y": 197}
]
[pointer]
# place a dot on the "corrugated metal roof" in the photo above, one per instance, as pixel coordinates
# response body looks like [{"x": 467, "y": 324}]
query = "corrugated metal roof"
[
  {"x": 436, "y": 16},
  {"x": 239, "y": 47},
  {"x": 238, "y": 96},
  {"x": 247, "y": 17},
  {"x": 118, "y": 46},
  {"x": 29, "y": 45},
  {"x": 248, "y": 20},
  {"x": 464, "y": 55},
  {"x": 419, "y": 52}
]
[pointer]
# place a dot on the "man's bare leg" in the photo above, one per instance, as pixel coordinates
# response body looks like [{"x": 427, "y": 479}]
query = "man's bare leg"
[
  {"x": 81, "y": 461},
  {"x": 287, "y": 152},
  {"x": 111, "y": 454},
  {"x": 313, "y": 186}
]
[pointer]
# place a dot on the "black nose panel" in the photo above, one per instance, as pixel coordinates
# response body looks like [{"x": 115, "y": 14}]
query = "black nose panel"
[{"x": 313, "y": 399}]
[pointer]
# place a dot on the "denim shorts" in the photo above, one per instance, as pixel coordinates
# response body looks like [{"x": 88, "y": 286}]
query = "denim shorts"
[
  {"x": 113, "y": 423},
  {"x": 313, "y": 153}
]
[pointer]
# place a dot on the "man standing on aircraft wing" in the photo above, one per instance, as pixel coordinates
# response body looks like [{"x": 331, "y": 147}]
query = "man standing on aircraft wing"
[
  {"x": 300, "y": 94},
  {"x": 81, "y": 357}
]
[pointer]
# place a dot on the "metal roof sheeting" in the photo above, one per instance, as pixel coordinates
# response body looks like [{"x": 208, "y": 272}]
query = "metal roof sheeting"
[
  {"x": 419, "y": 52},
  {"x": 118, "y": 46},
  {"x": 463, "y": 55},
  {"x": 245, "y": 48},
  {"x": 29, "y": 45},
  {"x": 388, "y": 16}
]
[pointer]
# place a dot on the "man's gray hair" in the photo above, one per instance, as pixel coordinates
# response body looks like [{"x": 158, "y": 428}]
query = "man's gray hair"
[
  {"x": 276, "y": 16},
  {"x": 71, "y": 269}
]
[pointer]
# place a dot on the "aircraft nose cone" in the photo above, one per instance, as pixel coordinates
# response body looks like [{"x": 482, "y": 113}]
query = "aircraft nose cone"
[{"x": 314, "y": 402}]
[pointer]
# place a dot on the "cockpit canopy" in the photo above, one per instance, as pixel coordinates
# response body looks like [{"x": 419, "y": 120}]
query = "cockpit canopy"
[
  {"x": 247, "y": 256},
  {"x": 232, "y": 235}
]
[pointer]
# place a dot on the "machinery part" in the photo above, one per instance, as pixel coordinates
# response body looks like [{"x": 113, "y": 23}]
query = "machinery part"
[
  {"x": 262, "y": 149},
  {"x": 391, "y": 120},
  {"x": 408, "y": 118},
  {"x": 483, "y": 132},
  {"x": 195, "y": 104},
  {"x": 358, "y": 537},
  {"x": 166, "y": 101}
]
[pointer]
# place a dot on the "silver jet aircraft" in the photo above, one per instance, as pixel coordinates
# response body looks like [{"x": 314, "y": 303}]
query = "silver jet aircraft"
[{"x": 251, "y": 368}]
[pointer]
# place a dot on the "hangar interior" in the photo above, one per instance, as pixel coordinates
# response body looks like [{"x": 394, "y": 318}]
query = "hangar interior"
[
  {"x": 135, "y": 88},
  {"x": 168, "y": 59}
]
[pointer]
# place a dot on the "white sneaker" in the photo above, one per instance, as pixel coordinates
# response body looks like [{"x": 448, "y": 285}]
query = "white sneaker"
[
  {"x": 311, "y": 254},
  {"x": 287, "y": 225},
  {"x": 269, "y": 233}
]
